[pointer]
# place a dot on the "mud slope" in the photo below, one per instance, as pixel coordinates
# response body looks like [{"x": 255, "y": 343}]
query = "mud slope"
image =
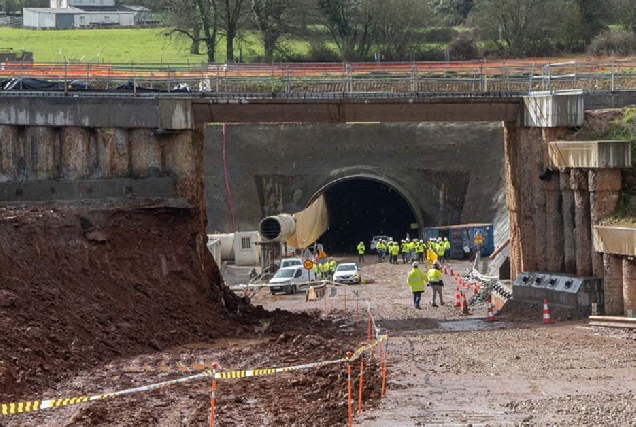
[{"x": 88, "y": 283}]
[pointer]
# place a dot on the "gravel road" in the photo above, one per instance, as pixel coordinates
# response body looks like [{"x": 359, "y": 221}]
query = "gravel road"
[{"x": 450, "y": 370}]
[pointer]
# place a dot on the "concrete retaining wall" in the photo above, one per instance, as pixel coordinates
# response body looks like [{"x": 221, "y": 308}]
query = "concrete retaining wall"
[{"x": 273, "y": 167}]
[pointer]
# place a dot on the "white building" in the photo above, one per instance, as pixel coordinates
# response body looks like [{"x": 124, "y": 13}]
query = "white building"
[{"x": 85, "y": 13}]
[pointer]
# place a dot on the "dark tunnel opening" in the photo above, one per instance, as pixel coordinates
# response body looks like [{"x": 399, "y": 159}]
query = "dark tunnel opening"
[{"x": 362, "y": 208}]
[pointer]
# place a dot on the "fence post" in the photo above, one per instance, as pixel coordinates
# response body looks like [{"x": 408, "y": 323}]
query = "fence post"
[
  {"x": 576, "y": 77},
  {"x": 383, "y": 366},
  {"x": 65, "y": 77},
  {"x": 360, "y": 387},
  {"x": 88, "y": 73},
  {"x": 134, "y": 79},
  {"x": 213, "y": 394},
  {"x": 612, "y": 65},
  {"x": 530, "y": 83},
  {"x": 218, "y": 77},
  {"x": 349, "y": 397}
]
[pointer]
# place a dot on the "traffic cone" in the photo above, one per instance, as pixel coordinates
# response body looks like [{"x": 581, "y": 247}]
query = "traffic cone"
[
  {"x": 491, "y": 314},
  {"x": 546, "y": 312},
  {"x": 458, "y": 301},
  {"x": 451, "y": 270},
  {"x": 464, "y": 305},
  {"x": 445, "y": 271},
  {"x": 475, "y": 289}
]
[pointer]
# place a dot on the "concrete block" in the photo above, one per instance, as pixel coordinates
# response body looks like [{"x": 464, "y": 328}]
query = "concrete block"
[
  {"x": 591, "y": 154},
  {"x": 547, "y": 110},
  {"x": 175, "y": 113},
  {"x": 614, "y": 239}
]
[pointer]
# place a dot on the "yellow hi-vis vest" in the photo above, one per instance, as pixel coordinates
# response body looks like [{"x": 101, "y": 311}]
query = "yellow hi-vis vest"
[
  {"x": 435, "y": 275},
  {"x": 416, "y": 280}
]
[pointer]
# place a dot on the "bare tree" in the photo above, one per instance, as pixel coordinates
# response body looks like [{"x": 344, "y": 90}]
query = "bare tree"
[
  {"x": 522, "y": 27},
  {"x": 196, "y": 20},
  {"x": 395, "y": 24},
  {"x": 233, "y": 15},
  {"x": 350, "y": 23},
  {"x": 626, "y": 13},
  {"x": 273, "y": 19}
]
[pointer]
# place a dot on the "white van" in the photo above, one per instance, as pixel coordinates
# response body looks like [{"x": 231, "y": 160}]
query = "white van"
[
  {"x": 290, "y": 262},
  {"x": 291, "y": 279}
]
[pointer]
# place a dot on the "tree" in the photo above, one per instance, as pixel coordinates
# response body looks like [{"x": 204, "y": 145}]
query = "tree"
[
  {"x": 395, "y": 23},
  {"x": 350, "y": 24},
  {"x": 196, "y": 20},
  {"x": 451, "y": 12},
  {"x": 273, "y": 19},
  {"x": 626, "y": 13},
  {"x": 521, "y": 27},
  {"x": 233, "y": 14}
]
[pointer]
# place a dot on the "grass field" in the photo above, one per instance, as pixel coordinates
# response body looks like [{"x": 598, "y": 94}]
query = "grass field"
[{"x": 120, "y": 46}]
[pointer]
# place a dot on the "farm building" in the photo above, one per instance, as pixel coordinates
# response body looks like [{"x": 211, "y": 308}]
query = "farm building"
[{"x": 85, "y": 13}]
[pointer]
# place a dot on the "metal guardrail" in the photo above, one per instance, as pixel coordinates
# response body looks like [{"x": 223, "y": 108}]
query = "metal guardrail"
[{"x": 520, "y": 76}]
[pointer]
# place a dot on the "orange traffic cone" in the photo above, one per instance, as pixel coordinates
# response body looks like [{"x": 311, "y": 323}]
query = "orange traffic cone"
[
  {"x": 546, "y": 312},
  {"x": 451, "y": 270},
  {"x": 458, "y": 301},
  {"x": 445, "y": 271},
  {"x": 475, "y": 289},
  {"x": 491, "y": 314},
  {"x": 464, "y": 305}
]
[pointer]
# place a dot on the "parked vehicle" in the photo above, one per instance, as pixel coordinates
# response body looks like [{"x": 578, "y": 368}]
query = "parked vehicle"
[
  {"x": 291, "y": 279},
  {"x": 347, "y": 272},
  {"x": 375, "y": 240},
  {"x": 290, "y": 262}
]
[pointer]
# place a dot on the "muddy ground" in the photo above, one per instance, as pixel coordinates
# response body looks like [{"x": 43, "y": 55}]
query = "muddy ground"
[{"x": 444, "y": 369}]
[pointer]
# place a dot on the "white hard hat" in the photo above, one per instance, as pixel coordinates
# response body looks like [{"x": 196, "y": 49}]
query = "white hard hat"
[{"x": 415, "y": 264}]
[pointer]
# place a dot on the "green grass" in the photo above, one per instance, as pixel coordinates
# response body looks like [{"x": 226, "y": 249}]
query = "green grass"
[{"x": 115, "y": 46}]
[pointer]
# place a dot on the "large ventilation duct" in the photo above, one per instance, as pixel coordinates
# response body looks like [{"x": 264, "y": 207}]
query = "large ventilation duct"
[{"x": 277, "y": 228}]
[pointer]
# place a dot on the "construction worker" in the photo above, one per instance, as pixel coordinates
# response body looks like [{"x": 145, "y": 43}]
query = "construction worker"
[
  {"x": 361, "y": 250},
  {"x": 332, "y": 267},
  {"x": 404, "y": 248},
  {"x": 412, "y": 250},
  {"x": 446, "y": 249},
  {"x": 396, "y": 252},
  {"x": 421, "y": 247},
  {"x": 440, "y": 250},
  {"x": 380, "y": 247},
  {"x": 416, "y": 280},
  {"x": 434, "y": 277}
]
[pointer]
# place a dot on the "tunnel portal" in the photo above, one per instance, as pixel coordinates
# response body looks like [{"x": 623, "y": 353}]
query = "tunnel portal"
[{"x": 360, "y": 208}]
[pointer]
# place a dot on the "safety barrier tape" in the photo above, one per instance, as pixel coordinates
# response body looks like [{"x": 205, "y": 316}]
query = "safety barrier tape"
[{"x": 38, "y": 405}]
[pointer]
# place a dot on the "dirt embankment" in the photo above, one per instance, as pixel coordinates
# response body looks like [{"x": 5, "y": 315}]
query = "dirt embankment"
[{"x": 88, "y": 283}]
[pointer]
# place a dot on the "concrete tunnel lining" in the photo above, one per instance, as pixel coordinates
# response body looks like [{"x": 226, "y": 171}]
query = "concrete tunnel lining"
[{"x": 398, "y": 191}]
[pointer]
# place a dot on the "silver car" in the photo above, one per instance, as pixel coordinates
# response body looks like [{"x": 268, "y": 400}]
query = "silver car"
[{"x": 347, "y": 272}]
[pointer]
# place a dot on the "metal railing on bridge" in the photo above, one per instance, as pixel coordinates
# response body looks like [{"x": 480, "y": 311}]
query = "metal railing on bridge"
[{"x": 512, "y": 77}]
